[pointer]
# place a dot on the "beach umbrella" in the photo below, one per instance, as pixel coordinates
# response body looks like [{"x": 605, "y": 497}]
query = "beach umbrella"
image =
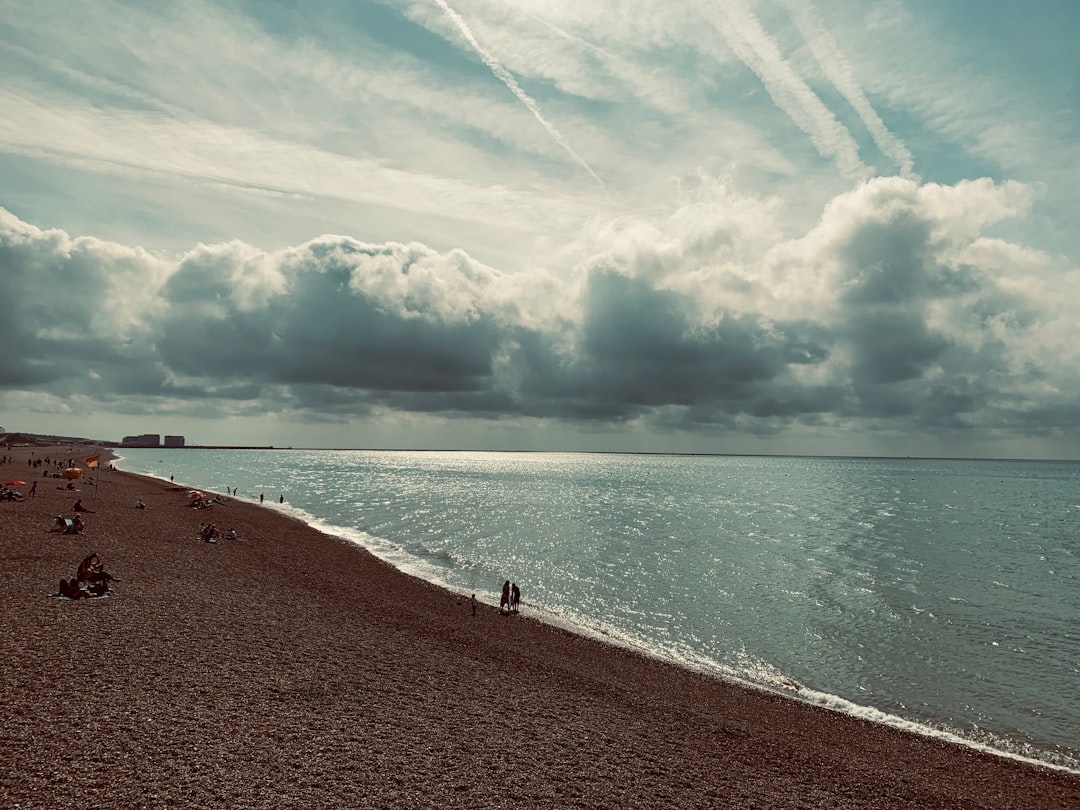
[
  {"x": 194, "y": 494},
  {"x": 14, "y": 483}
]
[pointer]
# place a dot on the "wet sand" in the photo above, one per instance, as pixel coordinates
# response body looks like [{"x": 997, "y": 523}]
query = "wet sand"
[{"x": 289, "y": 669}]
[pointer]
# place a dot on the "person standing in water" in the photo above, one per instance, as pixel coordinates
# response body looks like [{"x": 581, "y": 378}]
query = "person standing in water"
[{"x": 504, "y": 600}]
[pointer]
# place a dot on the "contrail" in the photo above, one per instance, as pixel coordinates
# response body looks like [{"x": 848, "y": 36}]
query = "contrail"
[
  {"x": 503, "y": 75},
  {"x": 839, "y": 71},
  {"x": 667, "y": 98},
  {"x": 745, "y": 35}
]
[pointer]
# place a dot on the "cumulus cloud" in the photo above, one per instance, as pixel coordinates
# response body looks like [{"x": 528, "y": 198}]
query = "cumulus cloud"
[{"x": 898, "y": 310}]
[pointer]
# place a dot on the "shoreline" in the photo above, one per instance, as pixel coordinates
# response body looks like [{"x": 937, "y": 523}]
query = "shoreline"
[
  {"x": 994, "y": 743},
  {"x": 293, "y": 668}
]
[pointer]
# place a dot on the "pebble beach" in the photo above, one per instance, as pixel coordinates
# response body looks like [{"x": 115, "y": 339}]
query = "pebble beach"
[{"x": 290, "y": 669}]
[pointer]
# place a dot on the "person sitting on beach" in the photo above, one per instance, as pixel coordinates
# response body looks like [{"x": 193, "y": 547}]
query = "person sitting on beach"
[
  {"x": 71, "y": 589},
  {"x": 98, "y": 582},
  {"x": 90, "y": 565},
  {"x": 139, "y": 504},
  {"x": 78, "y": 507},
  {"x": 67, "y": 525},
  {"x": 231, "y": 534},
  {"x": 209, "y": 533},
  {"x": 100, "y": 586}
]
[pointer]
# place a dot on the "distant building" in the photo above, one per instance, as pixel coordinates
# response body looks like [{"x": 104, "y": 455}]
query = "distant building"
[
  {"x": 174, "y": 441},
  {"x": 143, "y": 440}
]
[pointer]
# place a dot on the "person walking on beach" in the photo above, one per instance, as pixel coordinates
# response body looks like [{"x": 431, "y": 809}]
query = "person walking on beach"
[
  {"x": 515, "y": 597},
  {"x": 504, "y": 599},
  {"x": 260, "y": 497},
  {"x": 474, "y": 604},
  {"x": 33, "y": 490}
]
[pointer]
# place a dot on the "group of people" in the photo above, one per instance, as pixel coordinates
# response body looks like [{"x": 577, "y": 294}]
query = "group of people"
[
  {"x": 91, "y": 579},
  {"x": 209, "y": 533},
  {"x": 510, "y": 598},
  {"x": 200, "y": 502},
  {"x": 65, "y": 525}
]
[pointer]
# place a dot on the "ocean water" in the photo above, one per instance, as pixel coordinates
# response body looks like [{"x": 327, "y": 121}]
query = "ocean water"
[{"x": 937, "y": 595}]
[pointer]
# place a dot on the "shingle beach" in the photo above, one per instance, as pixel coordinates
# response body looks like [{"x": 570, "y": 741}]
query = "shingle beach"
[{"x": 290, "y": 669}]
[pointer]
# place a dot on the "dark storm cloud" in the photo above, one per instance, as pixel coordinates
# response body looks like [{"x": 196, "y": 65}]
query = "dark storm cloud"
[
  {"x": 882, "y": 315},
  {"x": 319, "y": 330},
  {"x": 641, "y": 347},
  {"x": 907, "y": 362},
  {"x": 57, "y": 327},
  {"x": 893, "y": 277}
]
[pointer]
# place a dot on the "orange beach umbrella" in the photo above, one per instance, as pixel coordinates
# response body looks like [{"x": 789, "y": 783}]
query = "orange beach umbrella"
[{"x": 14, "y": 483}]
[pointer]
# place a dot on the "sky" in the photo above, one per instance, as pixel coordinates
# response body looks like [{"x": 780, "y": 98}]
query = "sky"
[{"x": 834, "y": 227}]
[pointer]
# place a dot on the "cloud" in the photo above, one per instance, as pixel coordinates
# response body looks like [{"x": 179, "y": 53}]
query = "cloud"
[
  {"x": 840, "y": 72},
  {"x": 893, "y": 313},
  {"x": 138, "y": 142},
  {"x": 747, "y": 37},
  {"x": 503, "y": 75},
  {"x": 75, "y": 306}
]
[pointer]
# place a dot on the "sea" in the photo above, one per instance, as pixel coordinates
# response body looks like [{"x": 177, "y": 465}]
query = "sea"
[{"x": 940, "y": 596}]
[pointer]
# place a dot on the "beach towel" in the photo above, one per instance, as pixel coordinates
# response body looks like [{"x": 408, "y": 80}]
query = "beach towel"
[{"x": 87, "y": 598}]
